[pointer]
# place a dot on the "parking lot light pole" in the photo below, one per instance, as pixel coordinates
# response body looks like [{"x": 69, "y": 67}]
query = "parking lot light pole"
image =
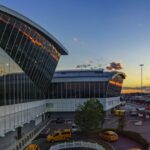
[{"x": 141, "y": 65}]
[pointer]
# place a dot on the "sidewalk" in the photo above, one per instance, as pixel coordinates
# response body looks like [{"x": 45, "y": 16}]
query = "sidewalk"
[{"x": 111, "y": 122}]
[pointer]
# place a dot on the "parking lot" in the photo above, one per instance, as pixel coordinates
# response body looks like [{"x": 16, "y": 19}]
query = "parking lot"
[
  {"x": 124, "y": 144},
  {"x": 111, "y": 122},
  {"x": 143, "y": 128},
  {"x": 52, "y": 126}
]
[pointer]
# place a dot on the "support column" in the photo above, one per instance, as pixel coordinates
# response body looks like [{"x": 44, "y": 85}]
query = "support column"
[
  {"x": 19, "y": 133},
  {"x": 43, "y": 117}
]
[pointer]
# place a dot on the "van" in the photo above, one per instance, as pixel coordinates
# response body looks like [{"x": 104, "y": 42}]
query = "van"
[{"x": 60, "y": 135}]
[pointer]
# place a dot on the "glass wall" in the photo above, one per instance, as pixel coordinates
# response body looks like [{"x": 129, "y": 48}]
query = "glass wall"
[
  {"x": 15, "y": 86},
  {"x": 34, "y": 54},
  {"x": 115, "y": 86},
  {"x": 78, "y": 90},
  {"x": 27, "y": 62}
]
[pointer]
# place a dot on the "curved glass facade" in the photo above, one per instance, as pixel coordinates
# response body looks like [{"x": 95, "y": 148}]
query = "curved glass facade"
[
  {"x": 86, "y": 84},
  {"x": 33, "y": 53},
  {"x": 114, "y": 86},
  {"x": 27, "y": 61}
]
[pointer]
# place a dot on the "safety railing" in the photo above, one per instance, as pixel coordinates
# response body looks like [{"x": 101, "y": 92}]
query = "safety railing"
[
  {"x": 77, "y": 144},
  {"x": 23, "y": 142}
]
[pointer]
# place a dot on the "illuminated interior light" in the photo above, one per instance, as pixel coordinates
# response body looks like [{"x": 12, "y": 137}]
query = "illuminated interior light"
[{"x": 115, "y": 83}]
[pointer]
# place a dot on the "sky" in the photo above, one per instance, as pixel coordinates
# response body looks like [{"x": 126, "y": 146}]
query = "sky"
[{"x": 96, "y": 31}]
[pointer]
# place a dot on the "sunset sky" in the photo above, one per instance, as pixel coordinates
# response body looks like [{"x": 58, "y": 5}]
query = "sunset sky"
[{"x": 96, "y": 31}]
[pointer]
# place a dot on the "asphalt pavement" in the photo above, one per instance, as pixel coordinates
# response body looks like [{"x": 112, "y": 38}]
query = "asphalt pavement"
[{"x": 122, "y": 144}]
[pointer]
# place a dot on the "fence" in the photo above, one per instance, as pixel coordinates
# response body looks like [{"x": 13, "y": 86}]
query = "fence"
[
  {"x": 22, "y": 143},
  {"x": 77, "y": 144}
]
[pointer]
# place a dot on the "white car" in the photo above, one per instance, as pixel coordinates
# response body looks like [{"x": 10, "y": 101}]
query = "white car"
[
  {"x": 134, "y": 113},
  {"x": 138, "y": 123},
  {"x": 140, "y": 115},
  {"x": 69, "y": 121},
  {"x": 74, "y": 128},
  {"x": 142, "y": 108}
]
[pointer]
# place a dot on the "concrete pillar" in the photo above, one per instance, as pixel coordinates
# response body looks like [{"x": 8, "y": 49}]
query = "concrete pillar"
[
  {"x": 19, "y": 132},
  {"x": 43, "y": 117}
]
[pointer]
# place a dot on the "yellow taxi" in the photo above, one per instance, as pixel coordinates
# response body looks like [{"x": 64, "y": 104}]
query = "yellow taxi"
[
  {"x": 119, "y": 112},
  {"x": 110, "y": 136},
  {"x": 60, "y": 135},
  {"x": 33, "y": 147}
]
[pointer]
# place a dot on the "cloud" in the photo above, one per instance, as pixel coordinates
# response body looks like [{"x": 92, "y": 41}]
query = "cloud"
[
  {"x": 75, "y": 39},
  {"x": 91, "y": 64},
  {"x": 89, "y": 61},
  {"x": 114, "y": 66}
]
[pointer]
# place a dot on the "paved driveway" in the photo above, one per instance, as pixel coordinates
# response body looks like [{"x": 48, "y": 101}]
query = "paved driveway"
[
  {"x": 124, "y": 144},
  {"x": 111, "y": 122},
  {"x": 144, "y": 129}
]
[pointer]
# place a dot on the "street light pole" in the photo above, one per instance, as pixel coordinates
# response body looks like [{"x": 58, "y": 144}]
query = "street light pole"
[{"x": 141, "y": 65}]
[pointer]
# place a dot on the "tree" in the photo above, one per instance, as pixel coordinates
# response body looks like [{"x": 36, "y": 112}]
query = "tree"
[{"x": 90, "y": 115}]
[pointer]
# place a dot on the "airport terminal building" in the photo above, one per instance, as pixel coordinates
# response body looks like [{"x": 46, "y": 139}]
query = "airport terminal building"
[
  {"x": 28, "y": 59},
  {"x": 29, "y": 85},
  {"x": 71, "y": 88}
]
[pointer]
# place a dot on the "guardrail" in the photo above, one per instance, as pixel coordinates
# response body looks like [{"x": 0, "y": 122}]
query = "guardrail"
[
  {"x": 23, "y": 142},
  {"x": 77, "y": 144}
]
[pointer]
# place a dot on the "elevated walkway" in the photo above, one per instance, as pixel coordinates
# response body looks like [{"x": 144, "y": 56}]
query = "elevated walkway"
[{"x": 30, "y": 132}]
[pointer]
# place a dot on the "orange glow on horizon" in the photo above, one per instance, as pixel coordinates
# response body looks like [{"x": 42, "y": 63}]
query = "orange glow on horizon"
[{"x": 126, "y": 91}]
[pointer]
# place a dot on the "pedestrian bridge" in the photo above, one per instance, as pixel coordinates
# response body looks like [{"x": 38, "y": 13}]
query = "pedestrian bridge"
[{"x": 76, "y": 144}]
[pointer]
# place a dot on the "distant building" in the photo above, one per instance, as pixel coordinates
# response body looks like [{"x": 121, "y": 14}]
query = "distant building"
[{"x": 71, "y": 88}]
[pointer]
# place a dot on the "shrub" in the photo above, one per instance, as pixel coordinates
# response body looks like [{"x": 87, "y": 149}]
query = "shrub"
[{"x": 90, "y": 115}]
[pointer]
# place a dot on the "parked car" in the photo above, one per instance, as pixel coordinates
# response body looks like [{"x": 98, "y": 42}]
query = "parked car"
[
  {"x": 33, "y": 147},
  {"x": 119, "y": 112},
  {"x": 60, "y": 120},
  {"x": 135, "y": 148},
  {"x": 60, "y": 135},
  {"x": 138, "y": 123},
  {"x": 110, "y": 136},
  {"x": 123, "y": 103},
  {"x": 69, "y": 121},
  {"x": 141, "y": 109},
  {"x": 74, "y": 128},
  {"x": 133, "y": 113}
]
